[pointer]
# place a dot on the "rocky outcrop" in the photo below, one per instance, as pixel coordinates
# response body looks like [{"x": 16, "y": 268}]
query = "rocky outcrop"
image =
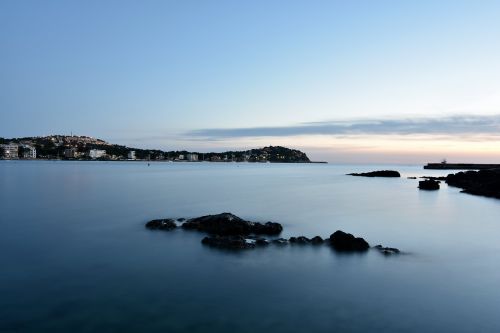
[
  {"x": 380, "y": 173},
  {"x": 342, "y": 241},
  {"x": 428, "y": 184},
  {"x": 161, "y": 224},
  {"x": 229, "y": 224},
  {"x": 228, "y": 242},
  {"x": 228, "y": 231},
  {"x": 301, "y": 240},
  {"x": 482, "y": 182},
  {"x": 317, "y": 240}
]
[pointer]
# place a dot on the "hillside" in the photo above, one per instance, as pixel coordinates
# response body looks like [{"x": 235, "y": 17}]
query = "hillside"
[{"x": 79, "y": 147}]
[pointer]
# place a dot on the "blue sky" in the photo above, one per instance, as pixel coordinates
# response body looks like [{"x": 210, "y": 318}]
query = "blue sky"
[{"x": 185, "y": 74}]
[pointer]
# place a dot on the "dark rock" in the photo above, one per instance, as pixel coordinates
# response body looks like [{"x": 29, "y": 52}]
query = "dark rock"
[
  {"x": 280, "y": 241},
  {"x": 428, "y": 184},
  {"x": 228, "y": 242},
  {"x": 268, "y": 228},
  {"x": 229, "y": 224},
  {"x": 411, "y": 177},
  {"x": 261, "y": 242},
  {"x": 380, "y": 173},
  {"x": 181, "y": 219},
  {"x": 342, "y": 241},
  {"x": 482, "y": 182},
  {"x": 317, "y": 240},
  {"x": 299, "y": 240},
  {"x": 161, "y": 224},
  {"x": 433, "y": 178}
]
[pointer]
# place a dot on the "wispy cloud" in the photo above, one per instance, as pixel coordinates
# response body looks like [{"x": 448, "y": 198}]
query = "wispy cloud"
[{"x": 450, "y": 125}]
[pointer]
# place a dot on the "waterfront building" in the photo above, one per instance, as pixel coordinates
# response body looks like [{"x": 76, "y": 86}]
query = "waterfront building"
[
  {"x": 181, "y": 157},
  {"x": 131, "y": 155},
  {"x": 29, "y": 152},
  {"x": 70, "y": 152},
  {"x": 10, "y": 151},
  {"x": 192, "y": 157},
  {"x": 96, "y": 153}
]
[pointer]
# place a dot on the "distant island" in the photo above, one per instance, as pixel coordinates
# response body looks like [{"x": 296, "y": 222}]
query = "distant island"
[{"x": 72, "y": 147}]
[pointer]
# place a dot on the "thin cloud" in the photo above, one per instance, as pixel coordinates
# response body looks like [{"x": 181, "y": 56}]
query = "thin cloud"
[{"x": 451, "y": 125}]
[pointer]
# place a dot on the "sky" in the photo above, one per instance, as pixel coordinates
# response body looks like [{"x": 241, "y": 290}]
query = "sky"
[{"x": 344, "y": 81}]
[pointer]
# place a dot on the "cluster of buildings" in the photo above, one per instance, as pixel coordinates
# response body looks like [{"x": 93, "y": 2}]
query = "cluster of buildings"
[
  {"x": 188, "y": 157},
  {"x": 14, "y": 151}
]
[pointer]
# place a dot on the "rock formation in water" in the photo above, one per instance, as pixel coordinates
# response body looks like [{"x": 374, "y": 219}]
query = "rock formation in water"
[
  {"x": 228, "y": 231},
  {"x": 342, "y": 241},
  {"x": 229, "y": 224},
  {"x": 228, "y": 242},
  {"x": 428, "y": 184},
  {"x": 387, "y": 250},
  {"x": 482, "y": 182},
  {"x": 161, "y": 224},
  {"x": 380, "y": 173}
]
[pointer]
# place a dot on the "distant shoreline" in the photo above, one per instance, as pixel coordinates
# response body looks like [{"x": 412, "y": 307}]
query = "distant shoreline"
[{"x": 158, "y": 161}]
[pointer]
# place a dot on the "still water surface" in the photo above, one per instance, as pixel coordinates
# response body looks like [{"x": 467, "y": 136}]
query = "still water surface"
[{"x": 75, "y": 256}]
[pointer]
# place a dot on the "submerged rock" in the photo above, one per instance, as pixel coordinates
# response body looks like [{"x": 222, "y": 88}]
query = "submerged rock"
[
  {"x": 380, "y": 173},
  {"x": 387, "y": 250},
  {"x": 161, "y": 224},
  {"x": 428, "y": 184},
  {"x": 342, "y": 241},
  {"x": 228, "y": 242},
  {"x": 229, "y": 224}
]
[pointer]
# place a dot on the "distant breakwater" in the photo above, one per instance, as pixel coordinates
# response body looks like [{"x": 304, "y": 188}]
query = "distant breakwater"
[{"x": 460, "y": 166}]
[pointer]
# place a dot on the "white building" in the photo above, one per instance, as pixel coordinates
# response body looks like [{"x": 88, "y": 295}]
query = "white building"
[
  {"x": 96, "y": 153},
  {"x": 10, "y": 150},
  {"x": 29, "y": 152},
  {"x": 181, "y": 157},
  {"x": 192, "y": 157},
  {"x": 131, "y": 155}
]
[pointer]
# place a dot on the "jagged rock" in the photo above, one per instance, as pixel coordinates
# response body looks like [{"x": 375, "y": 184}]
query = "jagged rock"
[
  {"x": 229, "y": 224},
  {"x": 428, "y": 184},
  {"x": 380, "y": 173},
  {"x": 161, "y": 224},
  {"x": 342, "y": 241},
  {"x": 228, "y": 242},
  {"x": 387, "y": 250},
  {"x": 317, "y": 240}
]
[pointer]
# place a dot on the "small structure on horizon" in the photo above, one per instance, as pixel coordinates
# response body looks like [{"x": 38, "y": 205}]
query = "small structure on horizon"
[{"x": 131, "y": 155}]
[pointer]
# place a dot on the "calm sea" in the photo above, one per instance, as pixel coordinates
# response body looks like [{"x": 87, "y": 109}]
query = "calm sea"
[{"x": 75, "y": 256}]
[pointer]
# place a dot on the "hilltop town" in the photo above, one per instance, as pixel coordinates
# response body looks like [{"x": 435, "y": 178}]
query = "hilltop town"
[{"x": 71, "y": 147}]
